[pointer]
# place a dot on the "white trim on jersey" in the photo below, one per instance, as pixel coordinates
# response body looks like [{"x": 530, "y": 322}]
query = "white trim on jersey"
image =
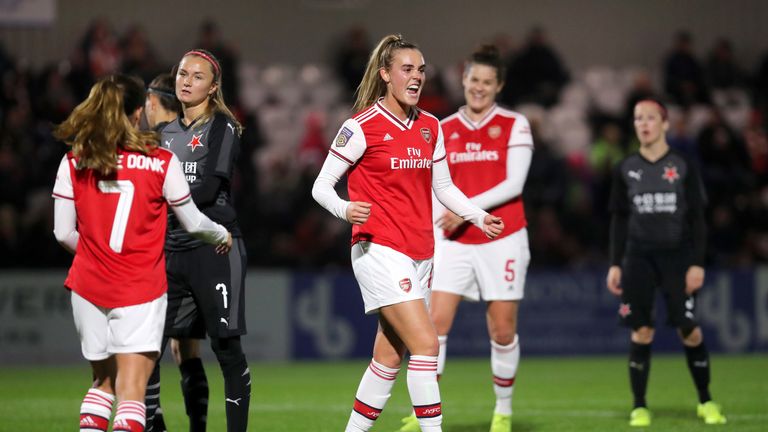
[
  {"x": 62, "y": 188},
  {"x": 462, "y": 114},
  {"x": 344, "y": 153},
  {"x": 65, "y": 224},
  {"x": 518, "y": 163},
  {"x": 402, "y": 125},
  {"x": 324, "y": 189},
  {"x": 175, "y": 186}
]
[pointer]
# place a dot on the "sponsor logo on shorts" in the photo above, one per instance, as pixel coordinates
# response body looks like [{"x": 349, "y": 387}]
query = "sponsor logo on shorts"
[{"x": 405, "y": 285}]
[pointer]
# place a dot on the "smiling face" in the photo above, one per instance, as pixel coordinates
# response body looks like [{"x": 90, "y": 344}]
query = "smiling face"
[
  {"x": 194, "y": 81},
  {"x": 650, "y": 125},
  {"x": 405, "y": 77},
  {"x": 481, "y": 85}
]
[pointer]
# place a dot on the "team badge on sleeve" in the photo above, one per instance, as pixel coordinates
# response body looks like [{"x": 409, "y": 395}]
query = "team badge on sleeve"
[
  {"x": 344, "y": 135},
  {"x": 405, "y": 284},
  {"x": 426, "y": 134}
]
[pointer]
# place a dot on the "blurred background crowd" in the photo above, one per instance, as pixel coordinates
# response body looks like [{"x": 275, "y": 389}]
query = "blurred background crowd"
[{"x": 581, "y": 120}]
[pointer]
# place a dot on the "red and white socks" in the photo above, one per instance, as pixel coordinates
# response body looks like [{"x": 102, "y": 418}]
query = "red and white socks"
[
  {"x": 372, "y": 394},
  {"x": 504, "y": 362},
  {"x": 425, "y": 392},
  {"x": 130, "y": 417},
  {"x": 96, "y": 410},
  {"x": 443, "y": 344}
]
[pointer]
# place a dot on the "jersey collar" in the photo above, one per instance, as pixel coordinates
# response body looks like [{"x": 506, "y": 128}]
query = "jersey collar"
[
  {"x": 483, "y": 121},
  {"x": 406, "y": 125}
]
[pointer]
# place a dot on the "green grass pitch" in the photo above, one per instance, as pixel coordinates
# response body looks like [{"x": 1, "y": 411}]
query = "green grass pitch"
[{"x": 551, "y": 394}]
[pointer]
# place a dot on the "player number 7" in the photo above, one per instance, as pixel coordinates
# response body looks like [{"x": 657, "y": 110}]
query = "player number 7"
[{"x": 120, "y": 222}]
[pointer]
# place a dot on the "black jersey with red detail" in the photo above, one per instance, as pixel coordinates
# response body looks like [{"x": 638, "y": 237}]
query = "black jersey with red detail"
[
  {"x": 207, "y": 152},
  {"x": 663, "y": 202}
]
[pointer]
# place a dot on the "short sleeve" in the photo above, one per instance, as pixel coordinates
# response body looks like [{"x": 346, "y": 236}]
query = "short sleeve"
[
  {"x": 349, "y": 144},
  {"x": 521, "y": 133},
  {"x": 62, "y": 188}
]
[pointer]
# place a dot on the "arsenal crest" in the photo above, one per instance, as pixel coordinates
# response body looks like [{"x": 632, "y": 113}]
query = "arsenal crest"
[
  {"x": 405, "y": 284},
  {"x": 494, "y": 131},
  {"x": 426, "y": 134},
  {"x": 670, "y": 174}
]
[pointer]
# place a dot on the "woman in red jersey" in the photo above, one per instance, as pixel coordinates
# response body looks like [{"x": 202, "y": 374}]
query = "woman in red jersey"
[
  {"x": 394, "y": 155},
  {"x": 489, "y": 151},
  {"x": 112, "y": 192}
]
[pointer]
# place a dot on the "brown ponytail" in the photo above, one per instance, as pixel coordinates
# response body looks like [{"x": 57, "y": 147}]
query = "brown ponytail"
[
  {"x": 488, "y": 55},
  {"x": 100, "y": 124}
]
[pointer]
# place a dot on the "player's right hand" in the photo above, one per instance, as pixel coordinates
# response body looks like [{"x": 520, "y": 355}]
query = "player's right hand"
[
  {"x": 358, "y": 212},
  {"x": 614, "y": 280},
  {"x": 224, "y": 248}
]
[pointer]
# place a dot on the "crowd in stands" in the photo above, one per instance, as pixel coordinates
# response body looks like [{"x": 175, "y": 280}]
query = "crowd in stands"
[{"x": 581, "y": 120}]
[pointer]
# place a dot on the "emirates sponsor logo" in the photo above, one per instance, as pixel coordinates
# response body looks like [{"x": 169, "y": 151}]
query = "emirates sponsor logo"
[
  {"x": 473, "y": 152},
  {"x": 414, "y": 161}
]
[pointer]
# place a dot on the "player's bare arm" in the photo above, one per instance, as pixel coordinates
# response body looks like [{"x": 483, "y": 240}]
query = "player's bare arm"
[
  {"x": 613, "y": 281},
  {"x": 694, "y": 279}
]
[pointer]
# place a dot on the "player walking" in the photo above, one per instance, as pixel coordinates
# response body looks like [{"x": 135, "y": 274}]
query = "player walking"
[{"x": 395, "y": 157}]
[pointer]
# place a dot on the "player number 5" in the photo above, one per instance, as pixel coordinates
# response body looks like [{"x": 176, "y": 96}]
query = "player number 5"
[
  {"x": 510, "y": 271},
  {"x": 125, "y": 189}
]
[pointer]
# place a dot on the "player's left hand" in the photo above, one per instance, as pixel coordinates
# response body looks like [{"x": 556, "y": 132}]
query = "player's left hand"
[
  {"x": 449, "y": 221},
  {"x": 694, "y": 279},
  {"x": 224, "y": 248},
  {"x": 492, "y": 226}
]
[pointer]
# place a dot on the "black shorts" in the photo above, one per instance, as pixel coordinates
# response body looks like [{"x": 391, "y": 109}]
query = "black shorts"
[
  {"x": 645, "y": 272},
  {"x": 206, "y": 292}
]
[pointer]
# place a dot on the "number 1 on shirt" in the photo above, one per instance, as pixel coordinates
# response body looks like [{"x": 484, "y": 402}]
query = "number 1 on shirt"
[{"x": 125, "y": 189}]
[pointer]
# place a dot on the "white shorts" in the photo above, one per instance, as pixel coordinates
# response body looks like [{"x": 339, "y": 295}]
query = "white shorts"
[
  {"x": 387, "y": 276},
  {"x": 489, "y": 271},
  {"x": 130, "y": 329}
]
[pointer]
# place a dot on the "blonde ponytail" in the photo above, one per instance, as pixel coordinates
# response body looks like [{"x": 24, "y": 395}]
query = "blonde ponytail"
[{"x": 372, "y": 87}]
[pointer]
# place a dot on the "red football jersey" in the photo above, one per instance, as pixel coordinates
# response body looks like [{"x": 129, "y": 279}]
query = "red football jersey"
[
  {"x": 477, "y": 158},
  {"x": 121, "y": 219},
  {"x": 391, "y": 164}
]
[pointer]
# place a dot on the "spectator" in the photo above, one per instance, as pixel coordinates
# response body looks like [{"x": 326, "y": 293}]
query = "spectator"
[
  {"x": 722, "y": 70},
  {"x": 536, "y": 74},
  {"x": 351, "y": 57},
  {"x": 683, "y": 75}
]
